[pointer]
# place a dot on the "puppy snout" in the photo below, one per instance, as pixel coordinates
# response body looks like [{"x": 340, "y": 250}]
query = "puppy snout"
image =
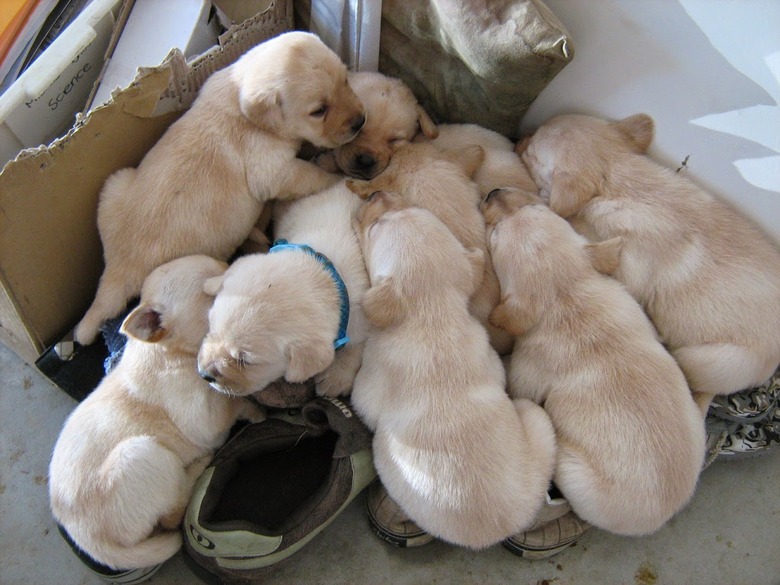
[
  {"x": 364, "y": 161},
  {"x": 209, "y": 374},
  {"x": 357, "y": 123}
]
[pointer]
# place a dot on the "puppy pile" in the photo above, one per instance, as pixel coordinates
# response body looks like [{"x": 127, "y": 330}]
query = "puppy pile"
[{"x": 620, "y": 295}]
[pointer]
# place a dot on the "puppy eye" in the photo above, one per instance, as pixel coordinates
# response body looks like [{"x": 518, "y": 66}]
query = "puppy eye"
[
  {"x": 319, "y": 112},
  {"x": 397, "y": 141}
]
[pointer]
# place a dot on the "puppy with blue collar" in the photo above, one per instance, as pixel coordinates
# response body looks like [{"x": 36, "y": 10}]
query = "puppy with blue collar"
[{"x": 293, "y": 313}]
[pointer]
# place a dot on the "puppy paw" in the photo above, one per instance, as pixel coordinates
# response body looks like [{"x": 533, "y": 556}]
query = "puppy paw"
[
  {"x": 85, "y": 332},
  {"x": 337, "y": 379},
  {"x": 332, "y": 388},
  {"x": 327, "y": 162},
  {"x": 333, "y": 382}
]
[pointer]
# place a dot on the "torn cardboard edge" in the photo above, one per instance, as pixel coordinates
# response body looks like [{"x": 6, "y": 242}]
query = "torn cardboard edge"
[{"x": 50, "y": 252}]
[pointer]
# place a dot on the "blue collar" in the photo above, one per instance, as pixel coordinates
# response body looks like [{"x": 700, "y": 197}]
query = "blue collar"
[{"x": 341, "y": 338}]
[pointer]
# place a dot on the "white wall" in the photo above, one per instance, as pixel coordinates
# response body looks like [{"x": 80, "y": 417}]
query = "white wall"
[{"x": 708, "y": 71}]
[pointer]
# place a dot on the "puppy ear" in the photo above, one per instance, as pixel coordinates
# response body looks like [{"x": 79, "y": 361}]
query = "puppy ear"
[
  {"x": 383, "y": 304},
  {"x": 469, "y": 158},
  {"x": 308, "y": 357},
  {"x": 145, "y": 324},
  {"x": 360, "y": 188},
  {"x": 427, "y": 127},
  {"x": 639, "y": 129},
  {"x": 511, "y": 317},
  {"x": 569, "y": 194},
  {"x": 213, "y": 285},
  {"x": 262, "y": 107},
  {"x": 605, "y": 256}
]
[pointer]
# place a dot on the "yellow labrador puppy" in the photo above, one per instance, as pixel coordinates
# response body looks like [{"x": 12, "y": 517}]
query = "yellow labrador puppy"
[
  {"x": 324, "y": 222},
  {"x": 124, "y": 465},
  {"x": 281, "y": 314},
  {"x": 708, "y": 277},
  {"x": 440, "y": 180},
  {"x": 466, "y": 463},
  {"x": 202, "y": 187},
  {"x": 502, "y": 167},
  {"x": 630, "y": 437},
  {"x": 393, "y": 119}
]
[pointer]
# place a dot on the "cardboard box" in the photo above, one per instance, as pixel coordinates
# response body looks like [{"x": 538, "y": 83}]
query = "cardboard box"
[
  {"x": 50, "y": 252},
  {"x": 193, "y": 30}
]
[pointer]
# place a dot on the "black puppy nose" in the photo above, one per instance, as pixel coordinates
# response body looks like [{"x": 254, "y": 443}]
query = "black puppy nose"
[
  {"x": 364, "y": 161},
  {"x": 357, "y": 124},
  {"x": 207, "y": 376}
]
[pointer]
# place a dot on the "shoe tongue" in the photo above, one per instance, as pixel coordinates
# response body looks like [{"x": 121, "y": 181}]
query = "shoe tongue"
[{"x": 324, "y": 413}]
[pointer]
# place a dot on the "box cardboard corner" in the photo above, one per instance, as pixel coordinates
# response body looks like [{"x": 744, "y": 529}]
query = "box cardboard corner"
[{"x": 50, "y": 252}]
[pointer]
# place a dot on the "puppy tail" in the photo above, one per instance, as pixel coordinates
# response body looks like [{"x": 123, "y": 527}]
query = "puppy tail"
[
  {"x": 540, "y": 434},
  {"x": 152, "y": 551}
]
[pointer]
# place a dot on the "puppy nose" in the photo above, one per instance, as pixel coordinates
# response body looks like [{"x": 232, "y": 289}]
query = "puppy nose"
[
  {"x": 364, "y": 161},
  {"x": 207, "y": 375},
  {"x": 357, "y": 123}
]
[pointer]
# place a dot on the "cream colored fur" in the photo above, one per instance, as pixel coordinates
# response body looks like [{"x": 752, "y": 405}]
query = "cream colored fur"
[
  {"x": 275, "y": 315},
  {"x": 440, "y": 181},
  {"x": 708, "y": 278},
  {"x": 393, "y": 119},
  {"x": 202, "y": 187},
  {"x": 125, "y": 462},
  {"x": 502, "y": 167},
  {"x": 465, "y": 462},
  {"x": 631, "y": 440},
  {"x": 324, "y": 222}
]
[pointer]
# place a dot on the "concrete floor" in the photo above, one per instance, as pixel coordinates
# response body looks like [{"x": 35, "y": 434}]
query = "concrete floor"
[{"x": 728, "y": 535}]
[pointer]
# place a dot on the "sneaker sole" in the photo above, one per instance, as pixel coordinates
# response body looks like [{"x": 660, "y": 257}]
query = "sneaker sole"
[
  {"x": 534, "y": 554},
  {"x": 409, "y": 540}
]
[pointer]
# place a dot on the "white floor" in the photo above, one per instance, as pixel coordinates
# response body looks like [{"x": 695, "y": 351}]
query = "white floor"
[{"x": 729, "y": 535}]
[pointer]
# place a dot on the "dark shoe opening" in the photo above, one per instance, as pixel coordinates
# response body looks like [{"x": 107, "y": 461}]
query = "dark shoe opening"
[{"x": 269, "y": 490}]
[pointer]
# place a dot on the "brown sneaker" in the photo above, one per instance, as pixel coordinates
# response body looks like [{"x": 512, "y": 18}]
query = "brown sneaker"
[
  {"x": 274, "y": 487},
  {"x": 556, "y": 528},
  {"x": 389, "y": 522}
]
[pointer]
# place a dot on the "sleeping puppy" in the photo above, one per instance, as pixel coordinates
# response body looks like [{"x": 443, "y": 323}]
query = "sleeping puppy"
[
  {"x": 324, "y": 222},
  {"x": 281, "y": 314},
  {"x": 440, "y": 181},
  {"x": 707, "y": 277},
  {"x": 125, "y": 463},
  {"x": 631, "y": 440},
  {"x": 202, "y": 187},
  {"x": 466, "y": 463},
  {"x": 502, "y": 167},
  {"x": 393, "y": 118}
]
